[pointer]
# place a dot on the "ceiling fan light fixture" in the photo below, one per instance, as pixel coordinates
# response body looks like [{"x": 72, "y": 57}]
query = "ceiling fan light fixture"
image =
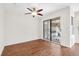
[{"x": 34, "y": 13}]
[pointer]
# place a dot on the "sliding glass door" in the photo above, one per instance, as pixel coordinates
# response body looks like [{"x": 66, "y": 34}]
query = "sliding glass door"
[
  {"x": 55, "y": 30},
  {"x": 46, "y": 29},
  {"x": 52, "y": 30}
]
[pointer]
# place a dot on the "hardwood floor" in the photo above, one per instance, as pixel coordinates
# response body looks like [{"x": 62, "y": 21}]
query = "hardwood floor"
[{"x": 40, "y": 48}]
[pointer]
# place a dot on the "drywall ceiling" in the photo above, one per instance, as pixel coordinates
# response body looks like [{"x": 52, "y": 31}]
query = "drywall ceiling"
[{"x": 47, "y": 7}]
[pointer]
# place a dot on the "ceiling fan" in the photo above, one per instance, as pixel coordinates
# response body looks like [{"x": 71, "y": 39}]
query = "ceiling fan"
[{"x": 34, "y": 12}]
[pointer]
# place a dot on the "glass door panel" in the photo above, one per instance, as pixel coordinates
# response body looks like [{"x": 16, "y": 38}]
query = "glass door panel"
[
  {"x": 55, "y": 30},
  {"x": 46, "y": 29}
]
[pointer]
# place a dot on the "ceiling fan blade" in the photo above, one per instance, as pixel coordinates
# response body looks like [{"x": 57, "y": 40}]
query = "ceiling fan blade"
[
  {"x": 29, "y": 9},
  {"x": 39, "y": 14},
  {"x": 39, "y": 10},
  {"x": 27, "y": 13},
  {"x": 34, "y": 9}
]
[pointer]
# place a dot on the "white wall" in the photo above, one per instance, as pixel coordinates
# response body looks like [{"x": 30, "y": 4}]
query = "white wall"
[
  {"x": 72, "y": 27},
  {"x": 1, "y": 28},
  {"x": 64, "y": 15},
  {"x": 76, "y": 27},
  {"x": 20, "y": 27}
]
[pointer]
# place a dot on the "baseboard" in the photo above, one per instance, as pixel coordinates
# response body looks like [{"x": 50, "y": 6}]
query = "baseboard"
[
  {"x": 19, "y": 42},
  {"x": 1, "y": 50}
]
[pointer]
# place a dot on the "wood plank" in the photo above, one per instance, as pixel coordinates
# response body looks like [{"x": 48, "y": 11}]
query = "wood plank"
[{"x": 40, "y": 48}]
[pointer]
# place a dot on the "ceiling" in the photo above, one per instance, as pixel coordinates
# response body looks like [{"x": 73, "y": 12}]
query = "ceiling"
[{"x": 47, "y": 7}]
